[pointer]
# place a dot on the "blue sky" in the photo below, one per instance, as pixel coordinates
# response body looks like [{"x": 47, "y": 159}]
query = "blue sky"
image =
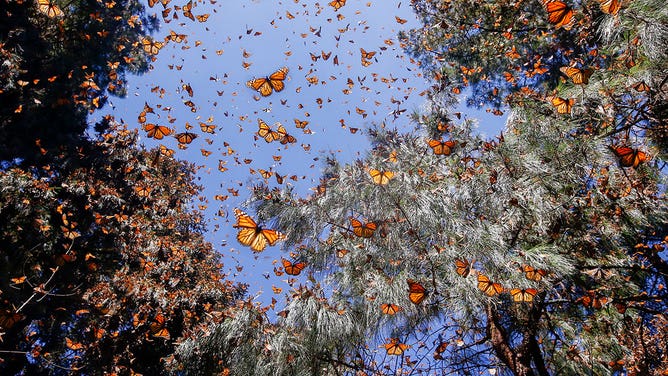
[{"x": 246, "y": 39}]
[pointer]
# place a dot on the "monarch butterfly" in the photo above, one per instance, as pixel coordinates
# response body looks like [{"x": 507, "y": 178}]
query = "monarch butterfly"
[
  {"x": 301, "y": 124},
  {"x": 9, "y": 318},
  {"x": 73, "y": 345},
  {"x": 523, "y": 295},
  {"x": 367, "y": 55},
  {"x": 363, "y": 230},
  {"x": 592, "y": 300},
  {"x": 579, "y": 76},
  {"x": 252, "y": 235},
  {"x": 533, "y": 274},
  {"x": 416, "y": 292},
  {"x": 629, "y": 157},
  {"x": 157, "y": 131},
  {"x": 462, "y": 267},
  {"x": 49, "y": 9},
  {"x": 337, "y": 4},
  {"x": 400, "y": 21},
  {"x": 284, "y": 137},
  {"x": 207, "y": 128},
  {"x": 157, "y": 327},
  {"x": 293, "y": 268},
  {"x": 563, "y": 106},
  {"x": 610, "y": 6},
  {"x": 265, "y": 85},
  {"x": 394, "y": 347},
  {"x": 390, "y": 309},
  {"x": 266, "y": 132},
  {"x": 150, "y": 46},
  {"x": 559, "y": 14},
  {"x": 185, "y": 137},
  {"x": 488, "y": 287},
  {"x": 187, "y": 10},
  {"x": 441, "y": 147},
  {"x": 381, "y": 177},
  {"x": 641, "y": 86}
]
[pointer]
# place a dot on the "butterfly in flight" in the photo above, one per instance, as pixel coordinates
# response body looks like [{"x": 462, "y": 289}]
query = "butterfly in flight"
[
  {"x": 266, "y": 132},
  {"x": 363, "y": 230},
  {"x": 185, "y": 137},
  {"x": 266, "y": 85},
  {"x": 293, "y": 268},
  {"x": 629, "y": 157},
  {"x": 157, "y": 131},
  {"x": 252, "y": 235},
  {"x": 151, "y": 46},
  {"x": 394, "y": 347},
  {"x": 416, "y": 292},
  {"x": 336, "y": 4}
]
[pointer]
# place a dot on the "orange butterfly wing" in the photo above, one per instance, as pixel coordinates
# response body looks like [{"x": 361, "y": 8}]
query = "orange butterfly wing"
[
  {"x": 185, "y": 137},
  {"x": 610, "y": 6},
  {"x": 488, "y": 287},
  {"x": 562, "y": 105},
  {"x": 157, "y": 131},
  {"x": 559, "y": 14},
  {"x": 260, "y": 85},
  {"x": 293, "y": 268},
  {"x": 252, "y": 235},
  {"x": 463, "y": 267},
  {"x": 523, "y": 295},
  {"x": 381, "y": 177},
  {"x": 533, "y": 274},
  {"x": 390, "y": 309},
  {"x": 266, "y": 132},
  {"x": 441, "y": 147},
  {"x": 363, "y": 230},
  {"x": 629, "y": 157},
  {"x": 394, "y": 347},
  {"x": 157, "y": 327},
  {"x": 416, "y": 292},
  {"x": 579, "y": 76},
  {"x": 276, "y": 79}
]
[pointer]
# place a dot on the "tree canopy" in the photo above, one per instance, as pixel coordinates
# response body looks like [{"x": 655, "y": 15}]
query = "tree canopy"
[{"x": 536, "y": 252}]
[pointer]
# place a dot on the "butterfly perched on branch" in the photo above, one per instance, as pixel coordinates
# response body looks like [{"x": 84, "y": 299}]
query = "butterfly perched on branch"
[
  {"x": 629, "y": 157},
  {"x": 488, "y": 287},
  {"x": 252, "y": 235},
  {"x": 416, "y": 292},
  {"x": 363, "y": 230},
  {"x": 559, "y": 14}
]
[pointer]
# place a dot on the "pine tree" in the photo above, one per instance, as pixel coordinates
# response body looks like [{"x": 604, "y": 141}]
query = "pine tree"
[{"x": 537, "y": 252}]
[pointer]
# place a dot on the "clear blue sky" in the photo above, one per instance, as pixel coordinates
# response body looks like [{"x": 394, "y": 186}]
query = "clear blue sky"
[{"x": 267, "y": 35}]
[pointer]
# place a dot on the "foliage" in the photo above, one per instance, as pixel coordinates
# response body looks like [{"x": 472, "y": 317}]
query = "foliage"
[
  {"x": 539, "y": 252},
  {"x": 59, "y": 59},
  {"x": 102, "y": 251}
]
